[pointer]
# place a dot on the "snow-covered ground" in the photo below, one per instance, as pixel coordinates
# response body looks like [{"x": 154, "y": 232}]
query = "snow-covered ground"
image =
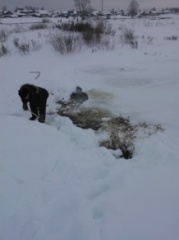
[{"x": 55, "y": 181}]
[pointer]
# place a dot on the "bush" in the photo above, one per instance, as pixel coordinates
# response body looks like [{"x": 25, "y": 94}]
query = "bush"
[
  {"x": 3, "y": 35},
  {"x": 19, "y": 29},
  {"x": 45, "y": 20},
  {"x": 94, "y": 34},
  {"x": 88, "y": 36},
  {"x": 35, "y": 45},
  {"x": 3, "y": 50},
  {"x": 173, "y": 38},
  {"x": 39, "y": 26},
  {"x": 128, "y": 37},
  {"x": 65, "y": 44},
  {"x": 23, "y": 47},
  {"x": 91, "y": 34},
  {"x": 100, "y": 27},
  {"x": 75, "y": 27},
  {"x": 99, "y": 30},
  {"x": 109, "y": 30}
]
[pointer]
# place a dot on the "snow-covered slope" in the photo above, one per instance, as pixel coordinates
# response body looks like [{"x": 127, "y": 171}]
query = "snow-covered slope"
[{"x": 55, "y": 181}]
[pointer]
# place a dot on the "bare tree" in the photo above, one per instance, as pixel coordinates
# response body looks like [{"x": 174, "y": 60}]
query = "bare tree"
[
  {"x": 133, "y": 8},
  {"x": 82, "y": 6},
  {"x": 4, "y": 8}
]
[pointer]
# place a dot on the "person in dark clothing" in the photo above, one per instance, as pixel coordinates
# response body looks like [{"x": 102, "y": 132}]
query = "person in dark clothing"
[{"x": 37, "y": 98}]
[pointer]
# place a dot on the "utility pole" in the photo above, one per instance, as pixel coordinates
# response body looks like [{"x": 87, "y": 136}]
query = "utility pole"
[{"x": 102, "y": 6}]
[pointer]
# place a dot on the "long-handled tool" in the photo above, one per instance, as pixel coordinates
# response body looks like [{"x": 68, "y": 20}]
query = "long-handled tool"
[{"x": 38, "y": 116}]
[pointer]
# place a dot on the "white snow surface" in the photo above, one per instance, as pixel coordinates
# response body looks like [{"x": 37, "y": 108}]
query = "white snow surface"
[{"x": 56, "y": 183}]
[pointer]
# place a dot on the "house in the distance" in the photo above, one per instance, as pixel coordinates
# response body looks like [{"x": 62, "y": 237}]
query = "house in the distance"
[
  {"x": 42, "y": 13},
  {"x": 24, "y": 12},
  {"x": 6, "y": 14}
]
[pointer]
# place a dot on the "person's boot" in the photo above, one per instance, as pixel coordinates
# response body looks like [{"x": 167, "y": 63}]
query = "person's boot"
[
  {"x": 42, "y": 118},
  {"x": 32, "y": 118}
]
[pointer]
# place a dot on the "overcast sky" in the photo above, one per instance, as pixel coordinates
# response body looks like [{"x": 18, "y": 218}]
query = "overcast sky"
[{"x": 69, "y": 4}]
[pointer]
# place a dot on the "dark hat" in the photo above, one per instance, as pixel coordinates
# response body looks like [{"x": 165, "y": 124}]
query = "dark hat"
[{"x": 23, "y": 92}]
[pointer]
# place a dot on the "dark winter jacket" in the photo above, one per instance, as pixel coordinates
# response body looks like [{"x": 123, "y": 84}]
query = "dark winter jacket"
[{"x": 37, "y": 98}]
